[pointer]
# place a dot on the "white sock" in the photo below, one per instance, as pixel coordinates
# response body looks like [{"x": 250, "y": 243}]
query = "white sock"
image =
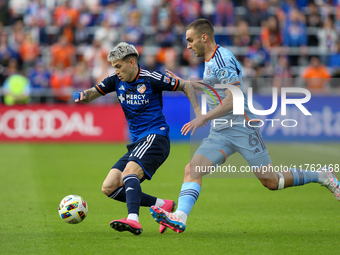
[
  {"x": 133, "y": 216},
  {"x": 182, "y": 215},
  {"x": 159, "y": 202},
  {"x": 322, "y": 177}
]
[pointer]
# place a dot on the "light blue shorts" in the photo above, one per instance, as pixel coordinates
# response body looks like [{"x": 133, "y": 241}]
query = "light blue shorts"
[{"x": 247, "y": 141}]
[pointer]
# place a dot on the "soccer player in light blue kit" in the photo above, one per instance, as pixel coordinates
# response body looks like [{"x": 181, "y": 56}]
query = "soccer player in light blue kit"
[{"x": 221, "y": 67}]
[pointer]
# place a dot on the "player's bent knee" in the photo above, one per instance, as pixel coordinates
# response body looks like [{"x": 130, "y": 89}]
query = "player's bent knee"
[
  {"x": 107, "y": 191},
  {"x": 111, "y": 185},
  {"x": 271, "y": 184}
]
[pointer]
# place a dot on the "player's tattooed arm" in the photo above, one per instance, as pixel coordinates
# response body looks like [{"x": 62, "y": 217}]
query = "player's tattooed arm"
[
  {"x": 90, "y": 94},
  {"x": 189, "y": 91}
]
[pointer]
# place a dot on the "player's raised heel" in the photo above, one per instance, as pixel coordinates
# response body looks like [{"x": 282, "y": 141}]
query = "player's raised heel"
[
  {"x": 168, "y": 206},
  {"x": 332, "y": 183},
  {"x": 127, "y": 225},
  {"x": 167, "y": 219}
]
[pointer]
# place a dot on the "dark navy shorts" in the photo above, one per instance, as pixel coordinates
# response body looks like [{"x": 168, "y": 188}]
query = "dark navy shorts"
[{"x": 149, "y": 152}]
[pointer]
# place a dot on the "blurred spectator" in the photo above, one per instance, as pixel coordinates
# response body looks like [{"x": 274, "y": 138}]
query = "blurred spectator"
[
  {"x": 133, "y": 33},
  {"x": 29, "y": 51},
  {"x": 61, "y": 84},
  {"x": 16, "y": 87},
  {"x": 112, "y": 14},
  {"x": 334, "y": 65},
  {"x": 316, "y": 76},
  {"x": 146, "y": 8},
  {"x": 65, "y": 13},
  {"x": 337, "y": 17},
  {"x": 17, "y": 35},
  {"x": 258, "y": 55},
  {"x": 208, "y": 10},
  {"x": 40, "y": 82},
  {"x": 288, "y": 6},
  {"x": 81, "y": 77},
  {"x": 4, "y": 13},
  {"x": 313, "y": 20},
  {"x": 224, "y": 17},
  {"x": 166, "y": 37},
  {"x": 6, "y": 52},
  {"x": 242, "y": 36},
  {"x": 225, "y": 14},
  {"x": 68, "y": 31},
  {"x": 38, "y": 16},
  {"x": 196, "y": 67},
  {"x": 86, "y": 18},
  {"x": 82, "y": 36},
  {"x": 334, "y": 60},
  {"x": 17, "y": 8},
  {"x": 169, "y": 58},
  {"x": 94, "y": 55},
  {"x": 294, "y": 35},
  {"x": 327, "y": 37},
  {"x": 254, "y": 15},
  {"x": 164, "y": 11},
  {"x": 150, "y": 62},
  {"x": 248, "y": 75},
  {"x": 282, "y": 73},
  {"x": 190, "y": 10},
  {"x": 105, "y": 35},
  {"x": 62, "y": 53},
  {"x": 270, "y": 33}
]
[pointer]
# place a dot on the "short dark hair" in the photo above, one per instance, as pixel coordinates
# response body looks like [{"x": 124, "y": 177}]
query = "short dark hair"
[
  {"x": 128, "y": 57},
  {"x": 202, "y": 26}
]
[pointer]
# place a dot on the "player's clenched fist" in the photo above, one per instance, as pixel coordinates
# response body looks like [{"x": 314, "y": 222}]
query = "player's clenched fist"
[{"x": 79, "y": 95}]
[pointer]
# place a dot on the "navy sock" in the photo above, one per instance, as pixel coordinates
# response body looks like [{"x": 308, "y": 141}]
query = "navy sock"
[
  {"x": 133, "y": 193},
  {"x": 120, "y": 195}
]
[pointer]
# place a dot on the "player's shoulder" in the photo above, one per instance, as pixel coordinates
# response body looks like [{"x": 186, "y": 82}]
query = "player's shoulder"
[
  {"x": 224, "y": 58},
  {"x": 150, "y": 75}
]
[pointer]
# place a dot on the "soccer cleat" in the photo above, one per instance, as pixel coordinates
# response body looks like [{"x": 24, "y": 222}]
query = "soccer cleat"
[
  {"x": 332, "y": 183},
  {"x": 127, "y": 225},
  {"x": 170, "y": 220},
  {"x": 168, "y": 206}
]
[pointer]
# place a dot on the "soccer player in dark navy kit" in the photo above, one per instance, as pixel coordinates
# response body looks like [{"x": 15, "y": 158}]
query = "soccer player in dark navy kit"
[{"x": 140, "y": 94}]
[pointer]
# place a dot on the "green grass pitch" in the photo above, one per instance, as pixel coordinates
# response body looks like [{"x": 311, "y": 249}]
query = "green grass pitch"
[{"x": 231, "y": 216}]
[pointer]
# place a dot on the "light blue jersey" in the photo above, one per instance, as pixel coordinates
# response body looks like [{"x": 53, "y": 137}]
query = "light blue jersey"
[{"x": 223, "y": 68}]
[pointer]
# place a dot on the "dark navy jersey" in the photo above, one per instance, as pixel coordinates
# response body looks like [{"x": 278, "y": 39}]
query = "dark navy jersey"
[{"x": 141, "y": 101}]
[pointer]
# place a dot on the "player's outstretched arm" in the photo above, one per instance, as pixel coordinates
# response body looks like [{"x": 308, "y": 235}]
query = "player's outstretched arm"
[
  {"x": 86, "y": 96},
  {"x": 218, "y": 111},
  {"x": 189, "y": 91}
]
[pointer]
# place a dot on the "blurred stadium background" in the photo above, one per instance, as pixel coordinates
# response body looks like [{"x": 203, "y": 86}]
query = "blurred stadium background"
[{"x": 49, "y": 49}]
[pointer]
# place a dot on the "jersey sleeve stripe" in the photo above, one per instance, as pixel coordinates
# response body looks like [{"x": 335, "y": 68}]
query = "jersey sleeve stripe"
[
  {"x": 99, "y": 90},
  {"x": 235, "y": 83},
  {"x": 150, "y": 75},
  {"x": 175, "y": 87},
  {"x": 219, "y": 54},
  {"x": 146, "y": 72},
  {"x": 218, "y": 61}
]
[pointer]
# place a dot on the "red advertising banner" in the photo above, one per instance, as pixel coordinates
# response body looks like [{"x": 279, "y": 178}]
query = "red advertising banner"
[{"x": 85, "y": 123}]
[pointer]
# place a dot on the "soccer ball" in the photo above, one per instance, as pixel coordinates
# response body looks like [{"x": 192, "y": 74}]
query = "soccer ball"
[{"x": 73, "y": 209}]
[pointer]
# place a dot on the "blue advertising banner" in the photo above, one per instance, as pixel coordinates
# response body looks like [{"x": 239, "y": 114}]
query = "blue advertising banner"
[{"x": 322, "y": 126}]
